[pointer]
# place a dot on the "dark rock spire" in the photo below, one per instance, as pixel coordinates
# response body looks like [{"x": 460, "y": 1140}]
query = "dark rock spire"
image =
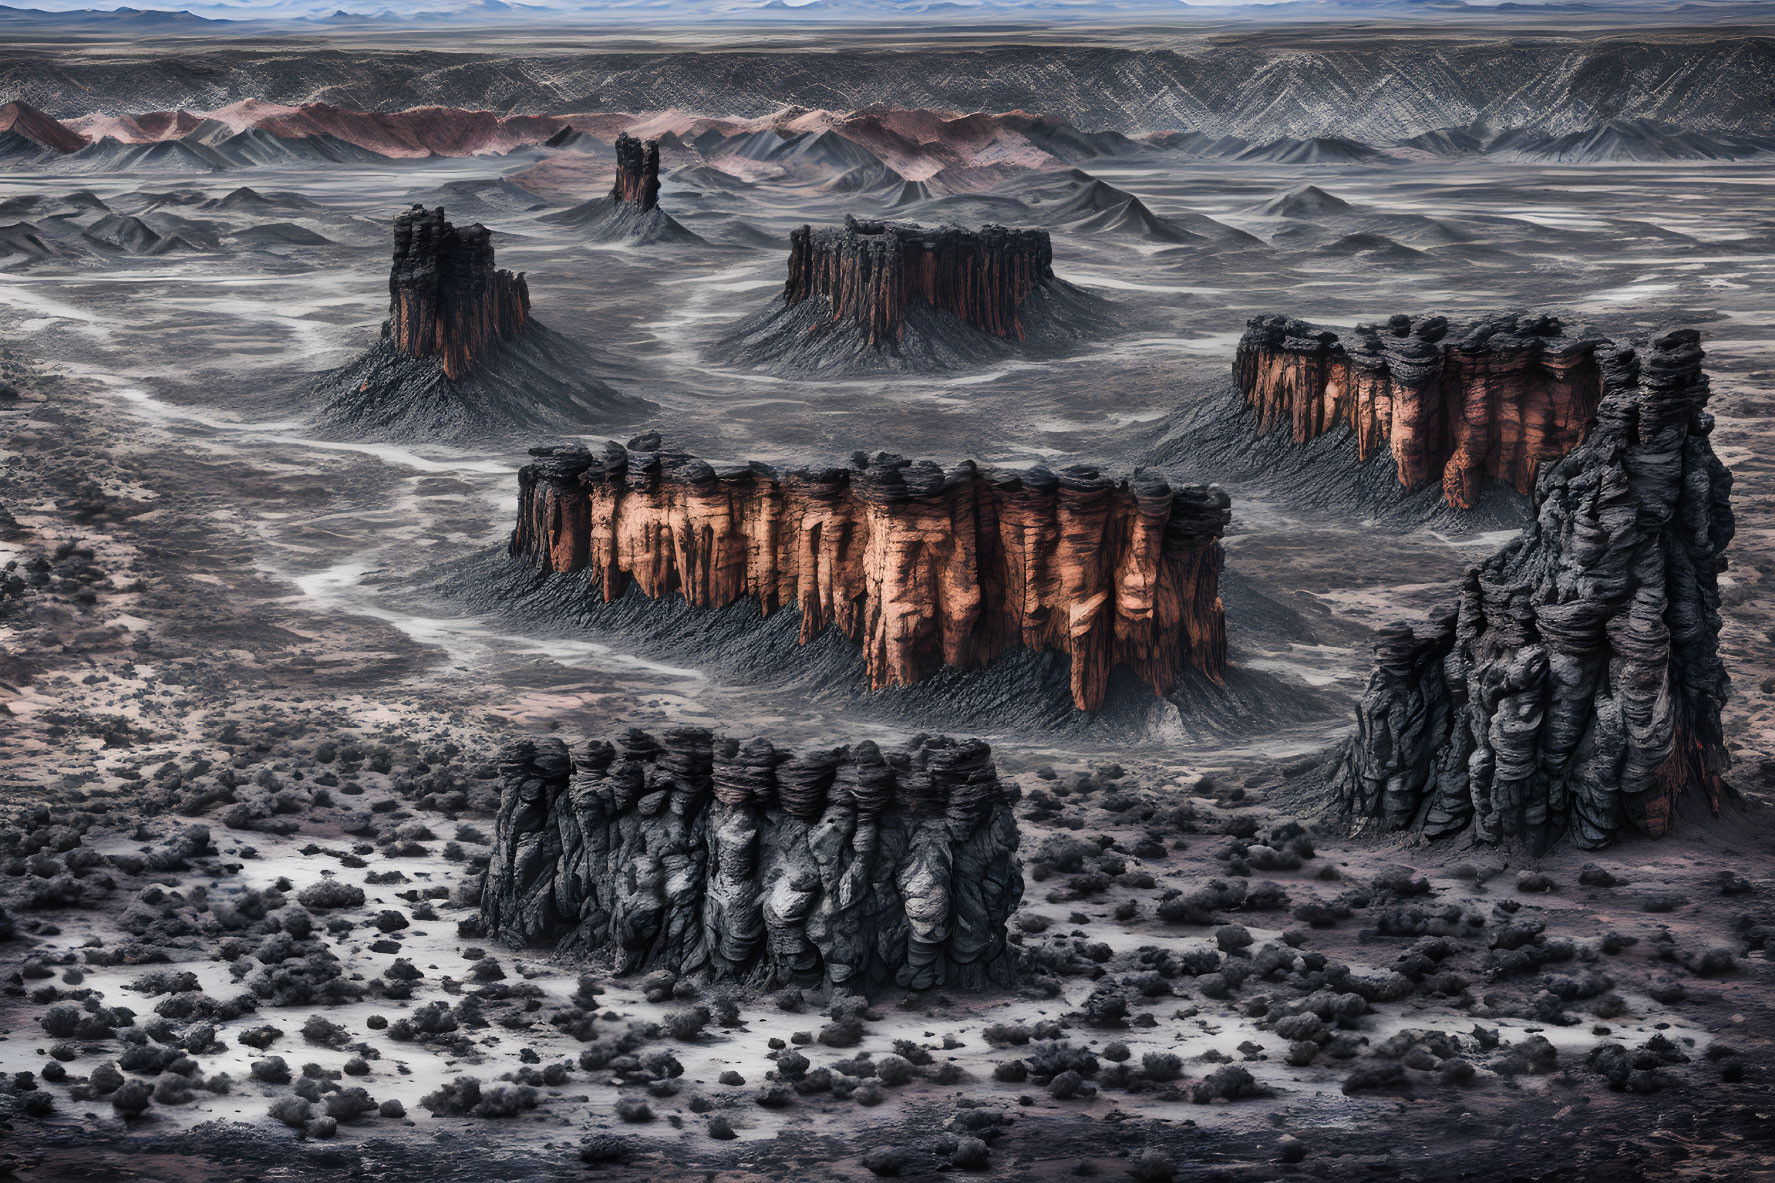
[
  {"x": 1575, "y": 685},
  {"x": 637, "y": 172},
  {"x": 445, "y": 297}
]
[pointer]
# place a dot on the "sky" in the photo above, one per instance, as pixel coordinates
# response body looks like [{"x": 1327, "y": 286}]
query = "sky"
[{"x": 284, "y": 9}]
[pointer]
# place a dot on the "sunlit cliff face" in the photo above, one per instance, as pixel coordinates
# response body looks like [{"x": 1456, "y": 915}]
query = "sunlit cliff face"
[
  {"x": 924, "y": 568},
  {"x": 1492, "y": 403}
]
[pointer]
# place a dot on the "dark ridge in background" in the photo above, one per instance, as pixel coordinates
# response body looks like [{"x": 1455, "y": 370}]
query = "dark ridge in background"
[{"x": 1227, "y": 86}]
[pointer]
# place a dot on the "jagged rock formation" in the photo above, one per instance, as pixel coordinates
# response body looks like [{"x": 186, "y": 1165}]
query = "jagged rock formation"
[
  {"x": 869, "y": 297},
  {"x": 852, "y": 867},
  {"x": 630, "y": 212},
  {"x": 445, "y": 296},
  {"x": 1493, "y": 401},
  {"x": 1576, "y": 685},
  {"x": 921, "y": 566},
  {"x": 460, "y": 356},
  {"x": 637, "y": 172},
  {"x": 868, "y": 272}
]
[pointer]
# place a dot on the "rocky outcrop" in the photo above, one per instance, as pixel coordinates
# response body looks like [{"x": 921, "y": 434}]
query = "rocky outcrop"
[
  {"x": 924, "y": 567},
  {"x": 461, "y": 359},
  {"x": 637, "y": 172},
  {"x": 868, "y": 272},
  {"x": 1459, "y": 405},
  {"x": 1575, "y": 685},
  {"x": 445, "y": 297},
  {"x": 853, "y": 867},
  {"x": 630, "y": 212}
]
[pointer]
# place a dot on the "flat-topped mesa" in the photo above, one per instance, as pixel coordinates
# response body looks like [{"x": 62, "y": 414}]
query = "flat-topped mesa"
[
  {"x": 445, "y": 297},
  {"x": 851, "y": 867},
  {"x": 637, "y": 172},
  {"x": 1494, "y": 400},
  {"x": 1575, "y": 686},
  {"x": 871, "y": 271},
  {"x": 921, "y": 566}
]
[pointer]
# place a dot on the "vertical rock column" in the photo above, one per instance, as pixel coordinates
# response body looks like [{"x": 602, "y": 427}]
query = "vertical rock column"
[
  {"x": 446, "y": 299},
  {"x": 1575, "y": 686},
  {"x": 637, "y": 172},
  {"x": 923, "y": 567},
  {"x": 1492, "y": 402},
  {"x": 851, "y": 867}
]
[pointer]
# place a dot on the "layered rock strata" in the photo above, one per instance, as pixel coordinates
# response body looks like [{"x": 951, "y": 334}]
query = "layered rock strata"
[
  {"x": 921, "y": 566},
  {"x": 1575, "y": 685},
  {"x": 446, "y": 299},
  {"x": 870, "y": 271},
  {"x": 1457, "y": 405},
  {"x": 637, "y": 172},
  {"x": 853, "y": 867}
]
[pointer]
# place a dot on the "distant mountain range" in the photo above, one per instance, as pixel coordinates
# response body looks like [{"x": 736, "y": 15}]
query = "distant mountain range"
[
  {"x": 222, "y": 18},
  {"x": 1337, "y": 94},
  {"x": 878, "y": 147}
]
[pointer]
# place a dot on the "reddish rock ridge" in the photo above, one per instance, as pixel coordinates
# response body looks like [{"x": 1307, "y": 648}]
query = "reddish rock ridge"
[
  {"x": 22, "y": 119},
  {"x": 917, "y": 143},
  {"x": 417, "y": 131},
  {"x": 445, "y": 297},
  {"x": 1574, "y": 685},
  {"x": 870, "y": 271},
  {"x": 1494, "y": 400},
  {"x": 923, "y": 567},
  {"x": 412, "y": 133},
  {"x": 637, "y": 172}
]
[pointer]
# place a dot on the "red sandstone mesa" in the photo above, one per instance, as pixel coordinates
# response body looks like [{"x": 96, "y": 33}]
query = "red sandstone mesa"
[
  {"x": 870, "y": 271},
  {"x": 1495, "y": 401},
  {"x": 637, "y": 172},
  {"x": 445, "y": 297},
  {"x": 924, "y": 568}
]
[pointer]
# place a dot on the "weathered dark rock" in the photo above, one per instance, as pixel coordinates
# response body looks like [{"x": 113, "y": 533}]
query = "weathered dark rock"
[
  {"x": 1494, "y": 400},
  {"x": 445, "y": 297},
  {"x": 630, "y": 212},
  {"x": 460, "y": 357},
  {"x": 854, "y": 867},
  {"x": 869, "y": 272},
  {"x": 1575, "y": 687},
  {"x": 637, "y": 172},
  {"x": 924, "y": 567}
]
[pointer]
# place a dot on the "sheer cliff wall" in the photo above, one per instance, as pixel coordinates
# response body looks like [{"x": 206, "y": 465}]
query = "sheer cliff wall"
[{"x": 921, "y": 566}]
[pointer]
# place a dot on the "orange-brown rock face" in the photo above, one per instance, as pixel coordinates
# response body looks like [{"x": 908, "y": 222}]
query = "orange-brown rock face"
[
  {"x": 637, "y": 172},
  {"x": 922, "y": 567},
  {"x": 1492, "y": 402},
  {"x": 870, "y": 271},
  {"x": 445, "y": 297}
]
